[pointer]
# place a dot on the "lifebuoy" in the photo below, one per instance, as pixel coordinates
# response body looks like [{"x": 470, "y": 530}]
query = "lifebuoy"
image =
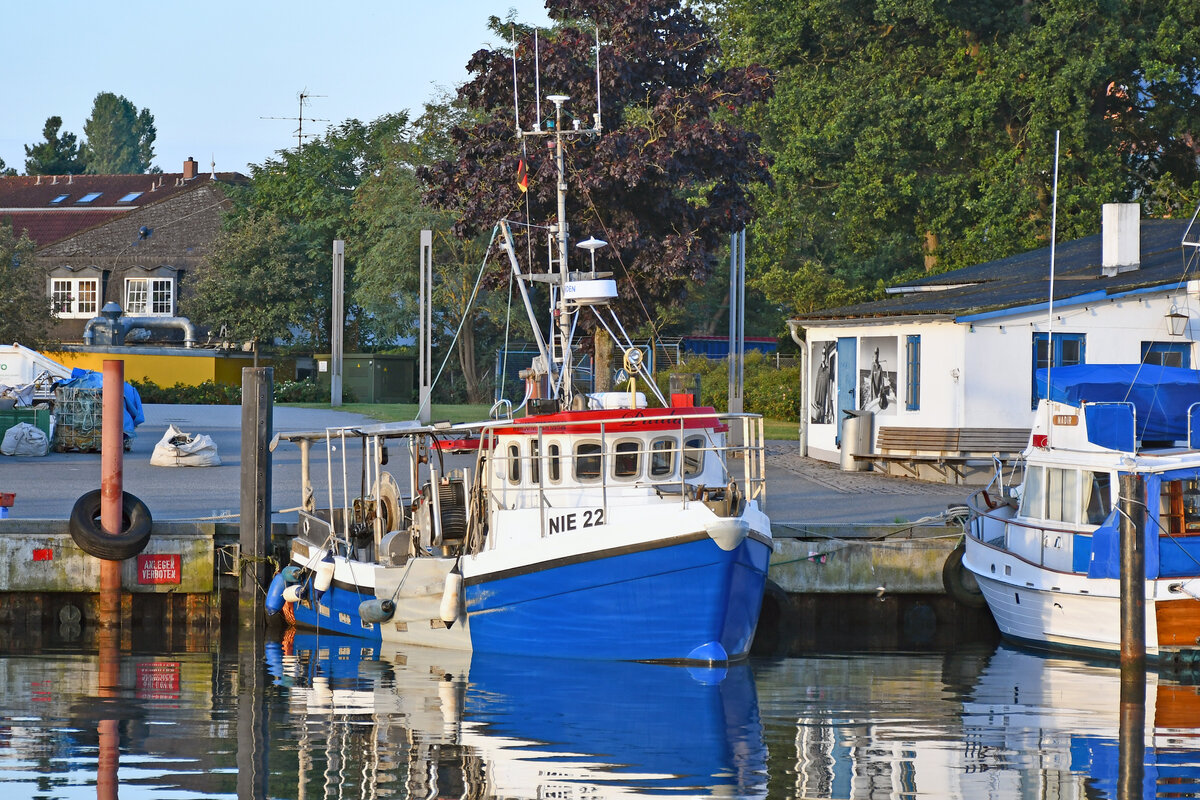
[
  {"x": 91, "y": 538},
  {"x": 959, "y": 582}
]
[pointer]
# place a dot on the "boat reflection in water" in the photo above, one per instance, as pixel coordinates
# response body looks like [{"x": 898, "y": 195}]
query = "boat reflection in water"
[
  {"x": 484, "y": 725},
  {"x": 1057, "y": 721}
]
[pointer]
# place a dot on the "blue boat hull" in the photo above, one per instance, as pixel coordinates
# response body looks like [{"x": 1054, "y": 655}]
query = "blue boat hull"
[{"x": 680, "y": 600}]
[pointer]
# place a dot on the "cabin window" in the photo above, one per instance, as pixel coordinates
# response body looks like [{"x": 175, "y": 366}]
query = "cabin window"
[
  {"x": 1062, "y": 495},
  {"x": 514, "y": 463},
  {"x": 1068, "y": 350},
  {"x": 625, "y": 459},
  {"x": 554, "y": 462},
  {"x": 1097, "y": 497},
  {"x": 588, "y": 461},
  {"x": 693, "y": 456},
  {"x": 662, "y": 457},
  {"x": 1179, "y": 506},
  {"x": 535, "y": 472},
  {"x": 1033, "y": 496}
]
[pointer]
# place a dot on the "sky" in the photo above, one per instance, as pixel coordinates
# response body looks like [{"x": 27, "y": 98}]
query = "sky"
[{"x": 213, "y": 72}]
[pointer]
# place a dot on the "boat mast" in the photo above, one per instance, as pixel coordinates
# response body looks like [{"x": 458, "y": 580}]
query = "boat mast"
[{"x": 563, "y": 313}]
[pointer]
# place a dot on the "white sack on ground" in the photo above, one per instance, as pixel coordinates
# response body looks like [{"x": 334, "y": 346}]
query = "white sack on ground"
[
  {"x": 179, "y": 449},
  {"x": 24, "y": 439}
]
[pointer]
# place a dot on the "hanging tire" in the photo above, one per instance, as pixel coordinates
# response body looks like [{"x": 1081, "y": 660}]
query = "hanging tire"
[
  {"x": 959, "y": 582},
  {"x": 90, "y": 537}
]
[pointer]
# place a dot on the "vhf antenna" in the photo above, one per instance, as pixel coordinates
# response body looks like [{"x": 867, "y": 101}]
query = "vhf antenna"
[{"x": 301, "y": 119}]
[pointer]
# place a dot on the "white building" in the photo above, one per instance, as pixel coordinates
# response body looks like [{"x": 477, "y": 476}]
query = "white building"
[{"x": 956, "y": 352}]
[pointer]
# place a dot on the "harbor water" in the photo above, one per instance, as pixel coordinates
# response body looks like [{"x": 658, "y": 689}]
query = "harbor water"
[{"x": 307, "y": 715}]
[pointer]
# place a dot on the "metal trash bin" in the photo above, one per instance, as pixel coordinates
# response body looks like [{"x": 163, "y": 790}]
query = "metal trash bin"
[{"x": 856, "y": 439}]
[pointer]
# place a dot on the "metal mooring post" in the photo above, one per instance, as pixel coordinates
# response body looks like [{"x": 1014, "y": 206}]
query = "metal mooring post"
[
  {"x": 255, "y": 530},
  {"x": 112, "y": 450}
]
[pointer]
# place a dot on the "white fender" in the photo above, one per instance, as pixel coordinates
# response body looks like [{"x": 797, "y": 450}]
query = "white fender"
[
  {"x": 727, "y": 532},
  {"x": 294, "y": 593},
  {"x": 452, "y": 597},
  {"x": 324, "y": 576}
]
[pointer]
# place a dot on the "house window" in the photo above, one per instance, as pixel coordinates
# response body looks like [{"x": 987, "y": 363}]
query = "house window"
[
  {"x": 1167, "y": 354},
  {"x": 153, "y": 296},
  {"x": 1068, "y": 350},
  {"x": 75, "y": 298},
  {"x": 912, "y": 376}
]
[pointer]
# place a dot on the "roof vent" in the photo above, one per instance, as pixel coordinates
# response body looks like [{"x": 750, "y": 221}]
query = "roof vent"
[{"x": 1121, "y": 230}]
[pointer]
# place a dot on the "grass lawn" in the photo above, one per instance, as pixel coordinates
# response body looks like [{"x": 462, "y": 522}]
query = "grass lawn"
[{"x": 395, "y": 412}]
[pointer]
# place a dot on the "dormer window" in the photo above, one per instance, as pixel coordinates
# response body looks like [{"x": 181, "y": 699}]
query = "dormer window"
[{"x": 89, "y": 197}]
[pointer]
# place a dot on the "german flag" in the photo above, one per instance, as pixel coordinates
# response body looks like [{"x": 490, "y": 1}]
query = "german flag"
[{"x": 522, "y": 176}]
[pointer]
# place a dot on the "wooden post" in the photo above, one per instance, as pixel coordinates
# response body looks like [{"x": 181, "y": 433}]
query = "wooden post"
[
  {"x": 1131, "y": 736},
  {"x": 255, "y": 528},
  {"x": 252, "y": 718},
  {"x": 112, "y": 451},
  {"x": 1133, "y": 573}
]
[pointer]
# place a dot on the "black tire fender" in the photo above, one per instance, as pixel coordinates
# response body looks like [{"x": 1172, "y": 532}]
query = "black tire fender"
[
  {"x": 91, "y": 538},
  {"x": 958, "y": 581}
]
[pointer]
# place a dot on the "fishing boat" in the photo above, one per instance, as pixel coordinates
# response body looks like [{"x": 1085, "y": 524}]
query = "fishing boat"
[
  {"x": 592, "y": 525},
  {"x": 1045, "y": 553}
]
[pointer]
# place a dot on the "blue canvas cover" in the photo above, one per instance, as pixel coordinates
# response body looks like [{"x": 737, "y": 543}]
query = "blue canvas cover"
[{"x": 1160, "y": 395}]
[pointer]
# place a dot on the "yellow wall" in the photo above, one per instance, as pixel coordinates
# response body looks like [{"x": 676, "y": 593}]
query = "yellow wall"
[{"x": 168, "y": 369}]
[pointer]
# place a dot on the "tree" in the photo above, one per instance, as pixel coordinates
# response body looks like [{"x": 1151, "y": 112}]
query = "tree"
[
  {"x": 255, "y": 283},
  {"x": 120, "y": 139},
  {"x": 6, "y": 171},
  {"x": 311, "y": 193},
  {"x": 57, "y": 155},
  {"x": 911, "y": 137},
  {"x": 391, "y": 214},
  {"x": 26, "y": 313},
  {"x": 665, "y": 182}
]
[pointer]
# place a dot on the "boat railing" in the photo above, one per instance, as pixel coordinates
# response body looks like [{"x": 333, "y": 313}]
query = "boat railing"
[{"x": 535, "y": 475}]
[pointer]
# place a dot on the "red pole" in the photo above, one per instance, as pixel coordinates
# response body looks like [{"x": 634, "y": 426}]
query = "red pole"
[{"x": 112, "y": 449}]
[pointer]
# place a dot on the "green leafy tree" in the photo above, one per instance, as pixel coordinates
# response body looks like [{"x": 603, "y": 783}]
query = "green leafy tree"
[
  {"x": 391, "y": 213},
  {"x": 120, "y": 139},
  {"x": 664, "y": 185},
  {"x": 6, "y": 171},
  {"x": 57, "y": 155},
  {"x": 912, "y": 136},
  {"x": 26, "y": 313},
  {"x": 311, "y": 193},
  {"x": 255, "y": 284}
]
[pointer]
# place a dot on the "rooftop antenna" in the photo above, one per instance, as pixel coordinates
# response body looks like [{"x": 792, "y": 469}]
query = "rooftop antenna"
[
  {"x": 597, "y": 120},
  {"x": 537, "y": 80},
  {"x": 516, "y": 102},
  {"x": 301, "y": 119}
]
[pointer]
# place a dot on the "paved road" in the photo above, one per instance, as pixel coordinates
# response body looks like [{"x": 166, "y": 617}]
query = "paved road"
[{"x": 799, "y": 489}]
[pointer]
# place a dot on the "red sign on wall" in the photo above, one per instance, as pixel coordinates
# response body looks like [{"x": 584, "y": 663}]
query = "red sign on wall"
[
  {"x": 158, "y": 568},
  {"x": 43, "y": 554},
  {"x": 158, "y": 679}
]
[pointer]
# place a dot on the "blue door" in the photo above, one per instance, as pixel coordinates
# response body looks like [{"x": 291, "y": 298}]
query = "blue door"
[{"x": 847, "y": 377}]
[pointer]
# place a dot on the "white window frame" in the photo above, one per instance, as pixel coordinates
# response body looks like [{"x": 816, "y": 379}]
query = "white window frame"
[
  {"x": 74, "y": 305},
  {"x": 158, "y": 297}
]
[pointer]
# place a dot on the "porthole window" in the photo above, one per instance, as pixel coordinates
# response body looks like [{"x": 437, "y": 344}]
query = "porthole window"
[
  {"x": 625, "y": 459},
  {"x": 662, "y": 457},
  {"x": 588, "y": 461},
  {"x": 693, "y": 456}
]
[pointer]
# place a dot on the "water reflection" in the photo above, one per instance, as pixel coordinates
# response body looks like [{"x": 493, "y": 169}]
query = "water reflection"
[
  {"x": 331, "y": 717},
  {"x": 495, "y": 726}
]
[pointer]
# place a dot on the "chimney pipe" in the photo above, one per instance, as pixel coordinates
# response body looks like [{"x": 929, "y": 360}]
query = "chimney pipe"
[
  {"x": 190, "y": 168},
  {"x": 1122, "y": 241}
]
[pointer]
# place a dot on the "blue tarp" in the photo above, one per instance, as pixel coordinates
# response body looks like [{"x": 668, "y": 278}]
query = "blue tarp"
[
  {"x": 1160, "y": 395},
  {"x": 90, "y": 379}
]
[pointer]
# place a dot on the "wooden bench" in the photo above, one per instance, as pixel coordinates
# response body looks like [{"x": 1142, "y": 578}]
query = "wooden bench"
[{"x": 945, "y": 450}]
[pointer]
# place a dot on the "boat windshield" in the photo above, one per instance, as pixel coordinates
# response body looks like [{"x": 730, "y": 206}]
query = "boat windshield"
[{"x": 1074, "y": 496}]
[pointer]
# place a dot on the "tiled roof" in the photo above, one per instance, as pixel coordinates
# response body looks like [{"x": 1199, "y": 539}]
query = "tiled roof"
[
  {"x": 1024, "y": 279},
  {"x": 27, "y": 200}
]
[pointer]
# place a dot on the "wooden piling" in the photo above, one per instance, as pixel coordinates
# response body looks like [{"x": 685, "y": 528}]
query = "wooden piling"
[
  {"x": 255, "y": 527},
  {"x": 1133, "y": 574}
]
